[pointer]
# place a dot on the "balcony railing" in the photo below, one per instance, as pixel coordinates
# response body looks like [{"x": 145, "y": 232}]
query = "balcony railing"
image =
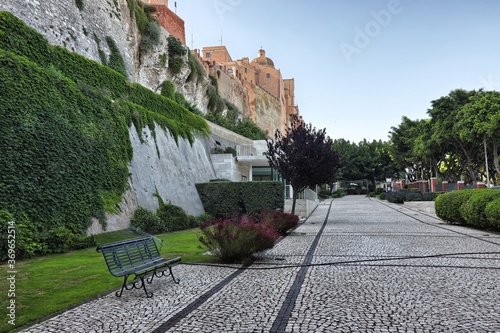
[
  {"x": 246, "y": 150},
  {"x": 307, "y": 194}
]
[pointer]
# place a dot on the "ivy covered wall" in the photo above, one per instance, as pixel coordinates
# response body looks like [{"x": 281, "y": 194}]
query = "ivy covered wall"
[{"x": 64, "y": 130}]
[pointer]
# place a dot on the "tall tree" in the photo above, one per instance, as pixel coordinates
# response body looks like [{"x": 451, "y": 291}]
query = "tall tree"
[
  {"x": 303, "y": 155},
  {"x": 366, "y": 160},
  {"x": 409, "y": 147},
  {"x": 480, "y": 122},
  {"x": 446, "y": 127}
]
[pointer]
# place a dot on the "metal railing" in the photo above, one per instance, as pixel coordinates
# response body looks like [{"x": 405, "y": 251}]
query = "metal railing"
[
  {"x": 246, "y": 150},
  {"x": 307, "y": 194}
]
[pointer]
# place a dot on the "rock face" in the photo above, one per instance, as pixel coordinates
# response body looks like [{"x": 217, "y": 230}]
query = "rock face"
[
  {"x": 82, "y": 31},
  {"x": 158, "y": 166},
  {"x": 171, "y": 171}
]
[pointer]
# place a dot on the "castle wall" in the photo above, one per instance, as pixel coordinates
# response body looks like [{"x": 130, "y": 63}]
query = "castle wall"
[
  {"x": 233, "y": 91},
  {"x": 170, "y": 21},
  {"x": 268, "y": 110}
]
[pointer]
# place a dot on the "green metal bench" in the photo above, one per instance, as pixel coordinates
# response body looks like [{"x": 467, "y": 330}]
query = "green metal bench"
[{"x": 138, "y": 257}]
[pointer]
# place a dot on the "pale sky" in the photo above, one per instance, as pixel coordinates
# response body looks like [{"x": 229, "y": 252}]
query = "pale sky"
[{"x": 358, "y": 65}]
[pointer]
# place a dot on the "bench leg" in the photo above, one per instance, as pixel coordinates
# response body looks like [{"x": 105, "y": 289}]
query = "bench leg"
[
  {"x": 124, "y": 286},
  {"x": 176, "y": 281},
  {"x": 162, "y": 273},
  {"x": 134, "y": 285},
  {"x": 148, "y": 294}
]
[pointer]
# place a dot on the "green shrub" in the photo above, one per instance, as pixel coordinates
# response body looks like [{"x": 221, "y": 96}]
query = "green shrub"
[
  {"x": 116, "y": 61},
  {"x": 404, "y": 195},
  {"x": 175, "y": 65},
  {"x": 168, "y": 89},
  {"x": 193, "y": 221},
  {"x": 197, "y": 69},
  {"x": 473, "y": 211},
  {"x": 237, "y": 240},
  {"x": 163, "y": 59},
  {"x": 22, "y": 236},
  {"x": 141, "y": 17},
  {"x": 61, "y": 239},
  {"x": 226, "y": 199},
  {"x": 150, "y": 36},
  {"x": 430, "y": 196},
  {"x": 448, "y": 206},
  {"x": 175, "y": 47},
  {"x": 339, "y": 193},
  {"x": 324, "y": 194},
  {"x": 205, "y": 218},
  {"x": 172, "y": 217},
  {"x": 492, "y": 213},
  {"x": 382, "y": 196},
  {"x": 281, "y": 221},
  {"x": 147, "y": 221}
]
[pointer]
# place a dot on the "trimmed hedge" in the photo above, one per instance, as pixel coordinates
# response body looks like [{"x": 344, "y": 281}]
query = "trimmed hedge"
[
  {"x": 492, "y": 212},
  {"x": 410, "y": 195},
  {"x": 473, "y": 210},
  {"x": 477, "y": 208},
  {"x": 448, "y": 206},
  {"x": 226, "y": 199}
]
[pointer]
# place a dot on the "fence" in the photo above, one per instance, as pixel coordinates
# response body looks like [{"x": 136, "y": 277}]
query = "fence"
[
  {"x": 246, "y": 150},
  {"x": 307, "y": 194}
]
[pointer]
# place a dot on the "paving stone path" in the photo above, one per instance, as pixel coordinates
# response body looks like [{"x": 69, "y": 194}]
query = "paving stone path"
[{"x": 355, "y": 265}]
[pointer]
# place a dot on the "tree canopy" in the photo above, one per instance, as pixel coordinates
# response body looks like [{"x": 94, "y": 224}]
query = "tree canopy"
[
  {"x": 452, "y": 142},
  {"x": 303, "y": 155},
  {"x": 365, "y": 160}
]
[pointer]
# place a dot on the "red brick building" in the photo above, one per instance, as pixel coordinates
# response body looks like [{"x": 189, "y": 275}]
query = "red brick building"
[{"x": 168, "y": 19}]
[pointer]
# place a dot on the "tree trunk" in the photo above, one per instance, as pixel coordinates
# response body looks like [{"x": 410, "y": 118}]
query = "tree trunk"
[
  {"x": 496, "y": 159},
  {"x": 293, "y": 201}
]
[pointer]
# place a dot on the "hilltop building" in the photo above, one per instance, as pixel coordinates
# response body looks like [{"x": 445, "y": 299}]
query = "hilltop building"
[
  {"x": 264, "y": 96},
  {"x": 260, "y": 78}
]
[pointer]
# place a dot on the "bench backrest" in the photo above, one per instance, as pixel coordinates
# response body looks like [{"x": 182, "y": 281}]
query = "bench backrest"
[{"x": 122, "y": 257}]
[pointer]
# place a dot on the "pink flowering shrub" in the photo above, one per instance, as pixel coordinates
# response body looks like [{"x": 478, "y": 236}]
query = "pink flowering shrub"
[
  {"x": 281, "y": 221},
  {"x": 236, "y": 240}
]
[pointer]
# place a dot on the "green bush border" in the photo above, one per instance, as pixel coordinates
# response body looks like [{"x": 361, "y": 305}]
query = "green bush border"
[
  {"x": 226, "y": 199},
  {"x": 470, "y": 207}
]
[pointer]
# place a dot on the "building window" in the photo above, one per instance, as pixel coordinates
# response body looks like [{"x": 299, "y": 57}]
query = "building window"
[
  {"x": 245, "y": 70},
  {"x": 208, "y": 55},
  {"x": 230, "y": 71},
  {"x": 268, "y": 75}
]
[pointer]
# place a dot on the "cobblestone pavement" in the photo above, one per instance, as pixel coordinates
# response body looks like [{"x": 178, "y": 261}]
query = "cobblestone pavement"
[{"x": 355, "y": 265}]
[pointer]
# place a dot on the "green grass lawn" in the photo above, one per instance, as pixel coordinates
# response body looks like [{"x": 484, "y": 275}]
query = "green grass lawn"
[{"x": 48, "y": 284}]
